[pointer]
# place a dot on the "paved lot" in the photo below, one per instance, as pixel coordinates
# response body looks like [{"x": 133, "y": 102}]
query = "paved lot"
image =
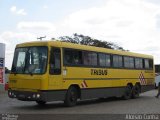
[{"x": 147, "y": 103}]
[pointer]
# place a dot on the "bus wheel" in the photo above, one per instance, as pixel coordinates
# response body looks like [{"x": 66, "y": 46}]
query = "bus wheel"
[
  {"x": 136, "y": 91},
  {"x": 71, "y": 97},
  {"x": 127, "y": 92},
  {"x": 41, "y": 102}
]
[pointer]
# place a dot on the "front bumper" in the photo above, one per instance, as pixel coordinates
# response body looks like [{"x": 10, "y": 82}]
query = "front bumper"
[
  {"x": 52, "y": 95},
  {"x": 26, "y": 95}
]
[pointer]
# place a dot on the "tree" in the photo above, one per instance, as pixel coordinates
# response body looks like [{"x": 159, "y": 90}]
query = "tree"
[{"x": 86, "y": 40}]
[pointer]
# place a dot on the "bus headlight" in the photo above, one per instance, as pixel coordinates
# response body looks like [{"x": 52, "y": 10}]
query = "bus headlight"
[{"x": 38, "y": 95}]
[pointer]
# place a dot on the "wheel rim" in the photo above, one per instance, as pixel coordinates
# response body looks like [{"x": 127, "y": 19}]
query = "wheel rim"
[
  {"x": 128, "y": 91},
  {"x": 136, "y": 90},
  {"x": 73, "y": 96}
]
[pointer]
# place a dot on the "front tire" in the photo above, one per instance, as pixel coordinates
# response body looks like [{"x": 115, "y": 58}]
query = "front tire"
[{"x": 71, "y": 97}]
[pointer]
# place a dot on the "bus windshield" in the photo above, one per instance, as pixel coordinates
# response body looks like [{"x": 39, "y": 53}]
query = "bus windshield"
[{"x": 30, "y": 60}]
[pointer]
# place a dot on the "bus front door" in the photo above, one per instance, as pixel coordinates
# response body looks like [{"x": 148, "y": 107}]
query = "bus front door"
[{"x": 55, "y": 76}]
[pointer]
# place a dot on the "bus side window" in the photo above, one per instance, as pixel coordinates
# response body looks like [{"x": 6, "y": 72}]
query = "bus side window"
[
  {"x": 150, "y": 64},
  {"x": 138, "y": 63},
  {"x": 55, "y": 61},
  {"x": 117, "y": 61}
]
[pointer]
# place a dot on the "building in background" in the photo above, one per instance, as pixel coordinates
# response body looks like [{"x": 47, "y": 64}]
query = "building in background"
[{"x": 2, "y": 66}]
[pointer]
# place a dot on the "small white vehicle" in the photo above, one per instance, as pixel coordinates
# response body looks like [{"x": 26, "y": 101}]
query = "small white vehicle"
[{"x": 157, "y": 80}]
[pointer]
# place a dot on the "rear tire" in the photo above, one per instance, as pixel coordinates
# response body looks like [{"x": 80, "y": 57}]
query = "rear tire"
[
  {"x": 41, "y": 103},
  {"x": 71, "y": 97},
  {"x": 136, "y": 91},
  {"x": 127, "y": 92}
]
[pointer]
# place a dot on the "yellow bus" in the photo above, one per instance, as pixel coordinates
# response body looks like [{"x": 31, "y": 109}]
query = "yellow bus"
[{"x": 45, "y": 71}]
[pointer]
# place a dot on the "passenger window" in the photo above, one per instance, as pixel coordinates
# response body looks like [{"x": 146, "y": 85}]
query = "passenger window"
[
  {"x": 93, "y": 59},
  {"x": 55, "y": 61},
  {"x": 108, "y": 60},
  {"x": 146, "y": 63},
  {"x": 72, "y": 57},
  {"x": 117, "y": 61},
  {"x": 151, "y": 64},
  {"x": 138, "y": 63},
  {"x": 90, "y": 58},
  {"x": 104, "y": 60},
  {"x": 128, "y": 62}
]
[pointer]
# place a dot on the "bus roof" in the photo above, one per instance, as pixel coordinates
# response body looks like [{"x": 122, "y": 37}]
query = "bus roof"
[{"x": 82, "y": 47}]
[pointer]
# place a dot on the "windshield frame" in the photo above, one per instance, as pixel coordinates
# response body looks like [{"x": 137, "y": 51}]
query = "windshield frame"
[{"x": 29, "y": 47}]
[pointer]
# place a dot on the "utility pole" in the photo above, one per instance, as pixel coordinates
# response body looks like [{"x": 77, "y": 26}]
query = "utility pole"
[{"x": 40, "y": 38}]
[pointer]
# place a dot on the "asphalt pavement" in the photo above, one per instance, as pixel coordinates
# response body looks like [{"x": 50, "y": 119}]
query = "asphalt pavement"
[{"x": 145, "y": 104}]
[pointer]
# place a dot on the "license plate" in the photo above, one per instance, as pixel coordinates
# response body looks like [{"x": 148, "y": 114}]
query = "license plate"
[{"x": 22, "y": 96}]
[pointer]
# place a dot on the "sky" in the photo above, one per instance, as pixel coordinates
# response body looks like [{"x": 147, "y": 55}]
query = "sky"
[{"x": 132, "y": 24}]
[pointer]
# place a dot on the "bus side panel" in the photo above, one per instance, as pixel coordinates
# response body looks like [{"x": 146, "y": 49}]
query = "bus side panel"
[
  {"x": 112, "y": 84},
  {"x": 54, "y": 95},
  {"x": 145, "y": 88},
  {"x": 102, "y": 92},
  {"x": 113, "y": 78}
]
